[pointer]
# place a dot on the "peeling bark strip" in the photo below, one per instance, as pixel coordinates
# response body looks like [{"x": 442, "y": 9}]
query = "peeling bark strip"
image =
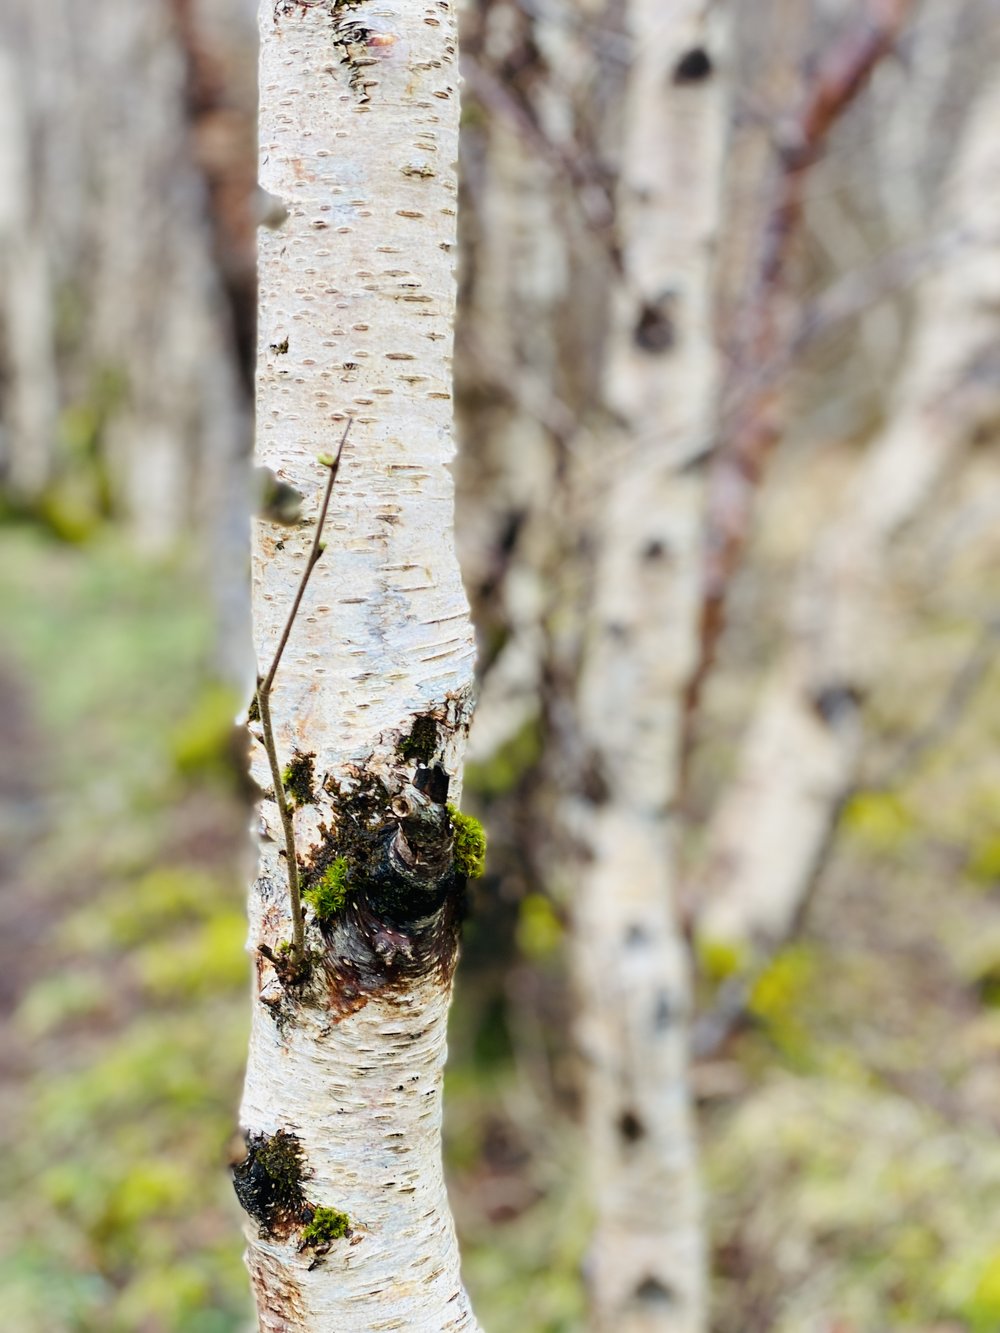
[{"x": 358, "y": 139}]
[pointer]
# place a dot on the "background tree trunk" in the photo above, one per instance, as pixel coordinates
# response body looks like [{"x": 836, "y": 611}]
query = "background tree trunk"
[{"x": 646, "y": 1265}]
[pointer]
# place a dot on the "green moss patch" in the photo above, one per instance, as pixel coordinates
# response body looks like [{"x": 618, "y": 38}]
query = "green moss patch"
[
  {"x": 327, "y": 1225},
  {"x": 329, "y": 894},
  {"x": 470, "y": 843},
  {"x": 298, "y": 778},
  {"x": 422, "y": 742}
]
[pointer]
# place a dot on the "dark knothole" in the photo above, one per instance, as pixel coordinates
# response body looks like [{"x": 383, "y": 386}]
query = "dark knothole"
[
  {"x": 593, "y": 782},
  {"x": 836, "y": 703},
  {"x": 655, "y": 550},
  {"x": 268, "y": 1182},
  {"x": 630, "y": 1127},
  {"x": 433, "y": 783},
  {"x": 651, "y": 1291},
  {"x": 422, "y": 742},
  {"x": 654, "y": 330},
  {"x": 694, "y": 66}
]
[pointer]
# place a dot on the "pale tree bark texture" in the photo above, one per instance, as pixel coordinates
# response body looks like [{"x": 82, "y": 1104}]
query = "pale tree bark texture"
[
  {"x": 358, "y": 141},
  {"x": 802, "y": 751},
  {"x": 646, "y": 1261}
]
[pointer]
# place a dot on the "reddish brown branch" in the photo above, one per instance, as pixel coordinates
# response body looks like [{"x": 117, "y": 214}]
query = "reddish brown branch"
[{"x": 752, "y": 417}]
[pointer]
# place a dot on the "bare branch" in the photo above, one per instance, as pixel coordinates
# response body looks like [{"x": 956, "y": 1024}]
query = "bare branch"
[
  {"x": 264, "y": 705},
  {"x": 752, "y": 418}
]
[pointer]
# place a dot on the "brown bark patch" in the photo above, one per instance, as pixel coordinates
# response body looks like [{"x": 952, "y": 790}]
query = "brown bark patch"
[
  {"x": 268, "y": 1183},
  {"x": 278, "y": 1298},
  {"x": 371, "y": 955}
]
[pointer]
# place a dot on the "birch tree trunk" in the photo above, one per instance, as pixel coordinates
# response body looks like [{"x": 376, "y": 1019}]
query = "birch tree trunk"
[
  {"x": 801, "y": 754},
  {"x": 342, "y": 1105},
  {"x": 27, "y": 340},
  {"x": 647, "y": 1258}
]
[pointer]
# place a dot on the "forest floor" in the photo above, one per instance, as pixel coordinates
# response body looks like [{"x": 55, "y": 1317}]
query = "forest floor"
[
  {"x": 850, "y": 1127},
  {"x": 121, "y": 950}
]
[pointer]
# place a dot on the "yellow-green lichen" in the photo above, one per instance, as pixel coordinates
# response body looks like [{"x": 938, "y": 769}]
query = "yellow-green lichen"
[
  {"x": 981, "y": 1308},
  {"x": 329, "y": 894},
  {"x": 778, "y": 999},
  {"x": 983, "y": 866},
  {"x": 469, "y": 843},
  {"x": 720, "y": 959},
  {"x": 879, "y": 821}
]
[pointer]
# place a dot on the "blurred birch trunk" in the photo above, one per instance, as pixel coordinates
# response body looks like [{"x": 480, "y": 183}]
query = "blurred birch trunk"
[
  {"x": 646, "y": 1265},
  {"x": 507, "y": 353},
  {"x": 121, "y": 393},
  {"x": 801, "y": 754},
  {"x": 30, "y": 397},
  {"x": 524, "y": 349},
  {"x": 359, "y": 119}
]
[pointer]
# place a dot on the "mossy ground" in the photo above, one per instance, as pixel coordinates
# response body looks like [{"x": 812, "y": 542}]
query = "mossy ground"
[
  {"x": 122, "y": 950},
  {"x": 852, "y": 1155},
  {"x": 850, "y": 1133}
]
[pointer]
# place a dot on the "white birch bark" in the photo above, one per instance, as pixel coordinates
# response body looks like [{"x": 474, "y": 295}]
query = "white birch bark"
[
  {"x": 646, "y": 1265},
  {"x": 358, "y": 139},
  {"x": 802, "y": 750}
]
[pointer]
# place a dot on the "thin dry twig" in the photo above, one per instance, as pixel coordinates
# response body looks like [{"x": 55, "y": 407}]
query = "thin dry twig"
[{"x": 264, "y": 705}]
